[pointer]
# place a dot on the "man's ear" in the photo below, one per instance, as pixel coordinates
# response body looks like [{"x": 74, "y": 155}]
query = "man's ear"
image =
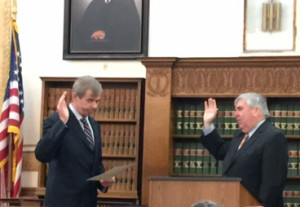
[
  {"x": 74, "y": 96},
  {"x": 258, "y": 111}
]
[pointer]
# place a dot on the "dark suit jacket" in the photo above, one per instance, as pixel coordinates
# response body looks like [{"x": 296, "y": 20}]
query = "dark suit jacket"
[
  {"x": 261, "y": 163},
  {"x": 71, "y": 162}
]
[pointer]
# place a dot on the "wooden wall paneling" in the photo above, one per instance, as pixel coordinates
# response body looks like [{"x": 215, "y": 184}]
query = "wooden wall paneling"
[{"x": 156, "y": 120}]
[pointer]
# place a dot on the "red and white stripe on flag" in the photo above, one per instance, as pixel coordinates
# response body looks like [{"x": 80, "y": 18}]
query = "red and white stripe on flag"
[{"x": 10, "y": 124}]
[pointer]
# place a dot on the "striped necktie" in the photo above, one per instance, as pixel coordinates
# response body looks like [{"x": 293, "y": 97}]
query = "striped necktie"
[
  {"x": 246, "y": 137},
  {"x": 88, "y": 133}
]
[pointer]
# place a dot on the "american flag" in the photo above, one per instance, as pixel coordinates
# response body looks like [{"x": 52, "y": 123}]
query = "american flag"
[{"x": 10, "y": 125}]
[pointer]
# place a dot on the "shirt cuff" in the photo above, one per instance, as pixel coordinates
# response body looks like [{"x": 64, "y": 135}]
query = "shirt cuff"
[{"x": 208, "y": 130}]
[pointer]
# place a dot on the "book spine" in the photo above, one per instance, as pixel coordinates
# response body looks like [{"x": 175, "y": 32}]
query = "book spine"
[
  {"x": 177, "y": 157},
  {"x": 193, "y": 157}
]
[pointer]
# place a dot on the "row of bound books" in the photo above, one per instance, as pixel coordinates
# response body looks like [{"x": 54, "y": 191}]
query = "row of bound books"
[
  {"x": 115, "y": 103},
  {"x": 294, "y": 158},
  {"x": 291, "y": 195},
  {"x": 188, "y": 117},
  {"x": 118, "y": 139},
  {"x": 191, "y": 158},
  {"x": 126, "y": 180}
]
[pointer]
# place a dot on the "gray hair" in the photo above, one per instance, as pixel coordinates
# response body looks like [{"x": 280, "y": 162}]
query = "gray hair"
[
  {"x": 84, "y": 83},
  {"x": 205, "y": 204},
  {"x": 255, "y": 100}
]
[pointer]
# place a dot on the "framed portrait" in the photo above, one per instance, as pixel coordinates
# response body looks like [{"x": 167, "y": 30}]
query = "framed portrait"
[
  {"x": 269, "y": 26},
  {"x": 105, "y": 29}
]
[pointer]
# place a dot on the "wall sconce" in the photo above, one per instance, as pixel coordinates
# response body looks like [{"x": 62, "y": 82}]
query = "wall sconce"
[{"x": 271, "y": 17}]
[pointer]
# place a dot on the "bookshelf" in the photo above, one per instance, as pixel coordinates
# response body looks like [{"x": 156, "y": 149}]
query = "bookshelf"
[
  {"x": 175, "y": 91},
  {"x": 119, "y": 113}
]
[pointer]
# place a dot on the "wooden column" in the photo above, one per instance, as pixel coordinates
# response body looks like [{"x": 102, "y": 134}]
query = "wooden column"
[{"x": 157, "y": 120}]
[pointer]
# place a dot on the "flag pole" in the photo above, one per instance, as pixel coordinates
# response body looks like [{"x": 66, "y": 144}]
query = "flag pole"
[{"x": 10, "y": 160}]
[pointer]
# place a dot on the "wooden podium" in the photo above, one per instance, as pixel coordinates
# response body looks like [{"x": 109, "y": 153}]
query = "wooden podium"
[{"x": 184, "y": 191}]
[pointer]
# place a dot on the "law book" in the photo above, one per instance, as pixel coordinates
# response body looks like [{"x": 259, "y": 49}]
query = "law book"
[
  {"x": 213, "y": 166},
  {"x": 272, "y": 113},
  {"x": 192, "y": 119},
  {"x": 128, "y": 179},
  {"x": 117, "y": 103},
  {"x": 111, "y": 139},
  {"x": 122, "y": 103},
  {"x": 132, "y": 140},
  {"x": 186, "y": 118},
  {"x": 193, "y": 157},
  {"x": 199, "y": 118},
  {"x": 233, "y": 124},
  {"x": 290, "y": 119},
  {"x": 186, "y": 157},
  {"x": 297, "y": 118},
  {"x": 178, "y": 151},
  {"x": 51, "y": 101},
  {"x": 206, "y": 161},
  {"x": 104, "y": 138},
  {"x": 106, "y": 103},
  {"x": 121, "y": 139},
  {"x": 227, "y": 119},
  {"x": 178, "y": 118},
  {"x": 199, "y": 159},
  {"x": 101, "y": 106},
  {"x": 111, "y": 103},
  {"x": 284, "y": 117},
  {"x": 126, "y": 139},
  {"x": 296, "y": 195},
  {"x": 298, "y": 156},
  {"x": 134, "y": 181},
  {"x": 277, "y": 113},
  {"x": 293, "y": 158},
  {"x": 116, "y": 146},
  {"x": 288, "y": 195},
  {"x": 132, "y": 104},
  {"x": 127, "y": 103}
]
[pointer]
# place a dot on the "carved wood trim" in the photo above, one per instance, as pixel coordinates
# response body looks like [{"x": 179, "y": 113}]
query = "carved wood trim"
[
  {"x": 227, "y": 77},
  {"x": 158, "y": 75}
]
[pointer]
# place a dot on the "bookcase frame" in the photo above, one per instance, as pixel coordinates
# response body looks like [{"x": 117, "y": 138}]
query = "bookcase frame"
[
  {"x": 137, "y": 84},
  {"x": 169, "y": 78}
]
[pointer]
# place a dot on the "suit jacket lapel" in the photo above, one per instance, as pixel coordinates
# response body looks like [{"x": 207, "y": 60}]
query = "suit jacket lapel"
[
  {"x": 235, "y": 154},
  {"x": 229, "y": 159}
]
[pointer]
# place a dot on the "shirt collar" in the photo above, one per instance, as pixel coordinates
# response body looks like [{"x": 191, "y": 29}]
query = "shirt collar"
[
  {"x": 77, "y": 115},
  {"x": 256, "y": 127}
]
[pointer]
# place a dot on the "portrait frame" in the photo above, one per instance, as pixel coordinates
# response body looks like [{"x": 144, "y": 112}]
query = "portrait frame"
[
  {"x": 120, "y": 42},
  {"x": 257, "y": 40}
]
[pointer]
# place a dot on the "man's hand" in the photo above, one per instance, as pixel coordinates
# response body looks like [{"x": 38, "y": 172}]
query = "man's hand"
[
  {"x": 210, "y": 112},
  {"x": 98, "y": 35},
  {"x": 108, "y": 182},
  {"x": 62, "y": 108}
]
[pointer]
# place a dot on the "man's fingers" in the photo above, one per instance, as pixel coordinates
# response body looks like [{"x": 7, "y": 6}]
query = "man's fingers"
[{"x": 63, "y": 97}]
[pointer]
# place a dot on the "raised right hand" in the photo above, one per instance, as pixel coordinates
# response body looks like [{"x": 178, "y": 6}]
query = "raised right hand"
[
  {"x": 62, "y": 108},
  {"x": 210, "y": 112}
]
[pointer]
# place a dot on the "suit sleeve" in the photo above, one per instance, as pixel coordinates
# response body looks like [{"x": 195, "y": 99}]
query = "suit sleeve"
[
  {"x": 217, "y": 146},
  {"x": 53, "y": 133},
  {"x": 274, "y": 170}
]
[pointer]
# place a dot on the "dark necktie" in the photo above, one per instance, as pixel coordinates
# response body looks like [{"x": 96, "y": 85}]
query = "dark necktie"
[
  {"x": 246, "y": 137},
  {"x": 88, "y": 132}
]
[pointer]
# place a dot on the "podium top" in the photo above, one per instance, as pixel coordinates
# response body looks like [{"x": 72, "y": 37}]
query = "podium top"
[{"x": 214, "y": 179}]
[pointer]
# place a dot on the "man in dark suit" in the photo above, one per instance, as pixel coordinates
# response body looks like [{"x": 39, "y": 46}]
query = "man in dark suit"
[
  {"x": 73, "y": 155},
  {"x": 260, "y": 158}
]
